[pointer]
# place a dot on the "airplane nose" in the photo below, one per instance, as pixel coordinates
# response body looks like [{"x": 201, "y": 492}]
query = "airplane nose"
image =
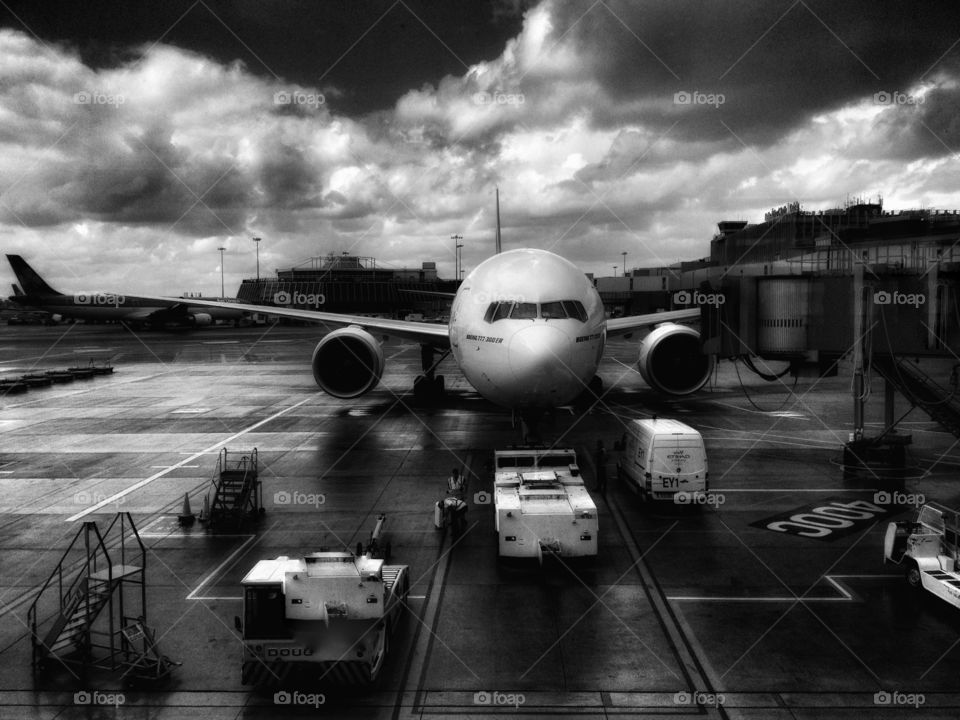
[{"x": 540, "y": 356}]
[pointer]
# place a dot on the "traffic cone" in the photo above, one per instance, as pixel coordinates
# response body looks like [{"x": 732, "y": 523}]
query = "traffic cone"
[
  {"x": 186, "y": 517},
  {"x": 205, "y": 511}
]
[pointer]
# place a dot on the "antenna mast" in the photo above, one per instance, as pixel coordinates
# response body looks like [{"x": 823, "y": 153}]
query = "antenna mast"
[{"x": 498, "y": 221}]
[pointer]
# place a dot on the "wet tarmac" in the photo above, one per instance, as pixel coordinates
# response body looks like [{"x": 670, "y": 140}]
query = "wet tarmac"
[{"x": 686, "y": 612}]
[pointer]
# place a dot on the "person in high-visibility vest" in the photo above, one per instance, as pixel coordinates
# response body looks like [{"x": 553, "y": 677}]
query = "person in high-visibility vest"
[
  {"x": 455, "y": 484},
  {"x": 454, "y": 506}
]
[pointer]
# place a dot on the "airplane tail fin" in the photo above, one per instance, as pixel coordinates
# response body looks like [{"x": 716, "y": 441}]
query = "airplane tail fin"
[
  {"x": 17, "y": 292},
  {"x": 30, "y": 282},
  {"x": 498, "y": 221}
]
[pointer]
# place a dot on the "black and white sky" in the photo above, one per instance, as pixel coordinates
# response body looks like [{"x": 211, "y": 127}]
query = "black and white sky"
[{"x": 137, "y": 138}]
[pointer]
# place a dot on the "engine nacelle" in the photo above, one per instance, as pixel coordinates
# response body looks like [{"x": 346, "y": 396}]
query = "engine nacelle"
[
  {"x": 671, "y": 361},
  {"x": 348, "y": 362},
  {"x": 201, "y": 319}
]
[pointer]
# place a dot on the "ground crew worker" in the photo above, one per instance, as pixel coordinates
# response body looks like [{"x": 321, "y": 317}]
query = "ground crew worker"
[
  {"x": 600, "y": 459},
  {"x": 455, "y": 484},
  {"x": 454, "y": 507}
]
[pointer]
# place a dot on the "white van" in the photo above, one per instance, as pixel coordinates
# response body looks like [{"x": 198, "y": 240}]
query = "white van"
[{"x": 664, "y": 459}]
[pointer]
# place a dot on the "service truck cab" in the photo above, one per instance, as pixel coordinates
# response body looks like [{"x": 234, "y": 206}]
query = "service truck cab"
[
  {"x": 664, "y": 459},
  {"x": 542, "y": 506},
  {"x": 928, "y": 548},
  {"x": 322, "y": 618}
]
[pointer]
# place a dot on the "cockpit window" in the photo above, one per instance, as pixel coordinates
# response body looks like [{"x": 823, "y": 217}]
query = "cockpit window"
[
  {"x": 550, "y": 310},
  {"x": 524, "y": 311},
  {"x": 502, "y": 311},
  {"x": 575, "y": 309},
  {"x": 557, "y": 309}
]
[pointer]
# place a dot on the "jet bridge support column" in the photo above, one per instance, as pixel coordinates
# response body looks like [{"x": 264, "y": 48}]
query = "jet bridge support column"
[{"x": 859, "y": 328}]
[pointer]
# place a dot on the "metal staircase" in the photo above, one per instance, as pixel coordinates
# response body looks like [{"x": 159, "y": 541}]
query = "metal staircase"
[
  {"x": 940, "y": 403},
  {"x": 237, "y": 493},
  {"x": 96, "y": 591}
]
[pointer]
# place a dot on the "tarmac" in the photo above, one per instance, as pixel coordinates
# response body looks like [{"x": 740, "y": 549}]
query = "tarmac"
[{"x": 725, "y": 610}]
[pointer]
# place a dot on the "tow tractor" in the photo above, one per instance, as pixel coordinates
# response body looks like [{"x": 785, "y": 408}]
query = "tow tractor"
[
  {"x": 324, "y": 618},
  {"x": 927, "y": 546},
  {"x": 542, "y": 506}
]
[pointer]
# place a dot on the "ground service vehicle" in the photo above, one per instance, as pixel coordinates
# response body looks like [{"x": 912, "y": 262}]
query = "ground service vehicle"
[
  {"x": 927, "y": 547},
  {"x": 664, "y": 459},
  {"x": 324, "y": 618},
  {"x": 541, "y": 505}
]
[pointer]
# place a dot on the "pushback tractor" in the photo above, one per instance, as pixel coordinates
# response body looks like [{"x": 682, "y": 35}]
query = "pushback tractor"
[
  {"x": 542, "y": 506},
  {"x": 325, "y": 618},
  {"x": 928, "y": 548}
]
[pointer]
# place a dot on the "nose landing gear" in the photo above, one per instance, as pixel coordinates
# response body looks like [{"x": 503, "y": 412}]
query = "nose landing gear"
[{"x": 429, "y": 387}]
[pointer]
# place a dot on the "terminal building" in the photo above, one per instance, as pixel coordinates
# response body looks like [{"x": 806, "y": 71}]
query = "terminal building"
[
  {"x": 356, "y": 285},
  {"x": 876, "y": 290}
]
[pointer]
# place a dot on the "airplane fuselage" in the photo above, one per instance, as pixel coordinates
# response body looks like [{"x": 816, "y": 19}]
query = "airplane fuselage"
[{"x": 527, "y": 329}]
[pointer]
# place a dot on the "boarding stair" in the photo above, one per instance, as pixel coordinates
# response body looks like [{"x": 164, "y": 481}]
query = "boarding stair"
[
  {"x": 237, "y": 492},
  {"x": 98, "y": 589},
  {"x": 920, "y": 390}
]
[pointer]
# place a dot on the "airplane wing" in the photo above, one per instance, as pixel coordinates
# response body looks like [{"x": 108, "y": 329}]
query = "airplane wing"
[
  {"x": 626, "y": 325},
  {"x": 424, "y": 333},
  {"x": 431, "y": 293}
]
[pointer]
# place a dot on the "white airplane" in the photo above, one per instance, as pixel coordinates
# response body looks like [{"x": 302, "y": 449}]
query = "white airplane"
[{"x": 527, "y": 330}]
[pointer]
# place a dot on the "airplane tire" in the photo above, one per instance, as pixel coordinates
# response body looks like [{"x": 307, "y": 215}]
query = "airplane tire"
[
  {"x": 913, "y": 576},
  {"x": 418, "y": 387}
]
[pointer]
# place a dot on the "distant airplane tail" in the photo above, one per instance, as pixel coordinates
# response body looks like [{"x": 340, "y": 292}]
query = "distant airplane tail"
[
  {"x": 30, "y": 282},
  {"x": 17, "y": 292}
]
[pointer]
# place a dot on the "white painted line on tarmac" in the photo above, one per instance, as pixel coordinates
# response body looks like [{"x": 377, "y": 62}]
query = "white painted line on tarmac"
[
  {"x": 794, "y": 490},
  {"x": 846, "y": 595},
  {"x": 136, "y": 486},
  {"x": 183, "y": 466},
  {"x": 216, "y": 571},
  {"x": 220, "y": 342}
]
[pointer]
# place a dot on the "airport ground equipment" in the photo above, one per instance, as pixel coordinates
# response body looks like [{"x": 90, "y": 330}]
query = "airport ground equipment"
[
  {"x": 928, "y": 548},
  {"x": 325, "y": 618},
  {"x": 664, "y": 459},
  {"x": 91, "y": 611},
  {"x": 541, "y": 504},
  {"x": 237, "y": 494}
]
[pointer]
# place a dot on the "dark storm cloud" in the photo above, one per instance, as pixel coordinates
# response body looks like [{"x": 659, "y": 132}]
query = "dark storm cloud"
[
  {"x": 777, "y": 64},
  {"x": 369, "y": 53}
]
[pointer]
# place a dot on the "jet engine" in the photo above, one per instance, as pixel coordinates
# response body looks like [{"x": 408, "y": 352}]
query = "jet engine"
[
  {"x": 201, "y": 319},
  {"x": 348, "y": 362},
  {"x": 671, "y": 361}
]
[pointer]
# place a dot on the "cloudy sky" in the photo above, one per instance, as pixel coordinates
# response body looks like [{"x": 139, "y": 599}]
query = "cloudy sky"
[{"x": 138, "y": 140}]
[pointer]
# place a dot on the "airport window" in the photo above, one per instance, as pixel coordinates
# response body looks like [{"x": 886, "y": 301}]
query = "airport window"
[
  {"x": 524, "y": 311},
  {"x": 265, "y": 615},
  {"x": 557, "y": 461},
  {"x": 509, "y": 462}
]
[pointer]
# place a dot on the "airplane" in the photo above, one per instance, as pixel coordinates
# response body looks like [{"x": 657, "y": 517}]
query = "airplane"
[
  {"x": 527, "y": 329},
  {"x": 138, "y": 311}
]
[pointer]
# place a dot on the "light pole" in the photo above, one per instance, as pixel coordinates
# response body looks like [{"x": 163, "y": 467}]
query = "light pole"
[
  {"x": 221, "y": 249},
  {"x": 456, "y": 254},
  {"x": 257, "y": 241},
  {"x": 624, "y": 253}
]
